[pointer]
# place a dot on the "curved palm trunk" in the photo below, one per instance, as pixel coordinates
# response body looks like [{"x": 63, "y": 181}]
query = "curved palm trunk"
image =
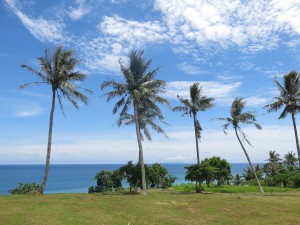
[
  {"x": 141, "y": 156},
  {"x": 196, "y": 137},
  {"x": 296, "y": 136},
  {"x": 43, "y": 184},
  {"x": 248, "y": 158}
]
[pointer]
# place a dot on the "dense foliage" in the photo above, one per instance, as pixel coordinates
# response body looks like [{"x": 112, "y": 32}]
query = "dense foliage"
[
  {"x": 24, "y": 188},
  {"x": 209, "y": 170},
  {"x": 276, "y": 172},
  {"x": 157, "y": 176}
]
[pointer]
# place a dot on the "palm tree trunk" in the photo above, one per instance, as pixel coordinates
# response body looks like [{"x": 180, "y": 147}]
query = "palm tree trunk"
[
  {"x": 43, "y": 184},
  {"x": 141, "y": 156},
  {"x": 196, "y": 137},
  {"x": 296, "y": 136},
  {"x": 248, "y": 158}
]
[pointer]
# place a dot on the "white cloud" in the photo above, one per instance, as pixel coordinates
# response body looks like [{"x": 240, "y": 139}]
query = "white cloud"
[
  {"x": 221, "y": 91},
  {"x": 20, "y": 108},
  {"x": 191, "y": 69},
  {"x": 122, "y": 147},
  {"x": 196, "y": 28},
  {"x": 40, "y": 28},
  {"x": 253, "y": 25},
  {"x": 132, "y": 32},
  {"x": 76, "y": 13},
  {"x": 257, "y": 101},
  {"x": 120, "y": 36},
  {"x": 29, "y": 111}
]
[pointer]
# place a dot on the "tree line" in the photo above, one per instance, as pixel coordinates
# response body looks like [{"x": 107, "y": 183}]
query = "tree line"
[{"x": 138, "y": 98}]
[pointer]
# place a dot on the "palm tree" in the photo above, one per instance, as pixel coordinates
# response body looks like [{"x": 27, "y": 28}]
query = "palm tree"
[
  {"x": 140, "y": 90},
  {"x": 197, "y": 102},
  {"x": 237, "y": 117},
  {"x": 273, "y": 165},
  {"x": 290, "y": 161},
  {"x": 57, "y": 70},
  {"x": 289, "y": 98}
]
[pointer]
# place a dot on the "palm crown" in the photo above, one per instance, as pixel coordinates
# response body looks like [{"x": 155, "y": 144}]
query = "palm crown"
[
  {"x": 289, "y": 95},
  {"x": 238, "y": 117},
  {"x": 140, "y": 85},
  {"x": 58, "y": 72}
]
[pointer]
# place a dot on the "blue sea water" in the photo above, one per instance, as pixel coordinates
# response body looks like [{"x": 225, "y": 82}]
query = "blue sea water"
[{"x": 77, "y": 178}]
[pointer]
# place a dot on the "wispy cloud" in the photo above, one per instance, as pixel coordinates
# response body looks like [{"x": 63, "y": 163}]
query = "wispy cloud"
[
  {"x": 253, "y": 25},
  {"x": 30, "y": 112},
  {"x": 19, "y": 107},
  {"x": 191, "y": 69},
  {"x": 221, "y": 91},
  {"x": 190, "y": 27},
  {"x": 82, "y": 9},
  {"x": 40, "y": 28}
]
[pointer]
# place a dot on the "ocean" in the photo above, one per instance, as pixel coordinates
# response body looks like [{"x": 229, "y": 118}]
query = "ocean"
[{"x": 76, "y": 178}]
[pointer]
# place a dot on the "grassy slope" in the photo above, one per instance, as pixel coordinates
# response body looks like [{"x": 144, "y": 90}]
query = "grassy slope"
[{"x": 159, "y": 207}]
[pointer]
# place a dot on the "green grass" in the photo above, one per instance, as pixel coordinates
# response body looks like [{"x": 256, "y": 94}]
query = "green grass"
[
  {"x": 159, "y": 207},
  {"x": 231, "y": 188}
]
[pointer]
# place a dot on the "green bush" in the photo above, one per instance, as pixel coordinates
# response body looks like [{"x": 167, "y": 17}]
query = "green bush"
[{"x": 24, "y": 188}]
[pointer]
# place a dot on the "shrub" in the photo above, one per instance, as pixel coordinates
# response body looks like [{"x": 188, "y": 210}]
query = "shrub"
[{"x": 24, "y": 188}]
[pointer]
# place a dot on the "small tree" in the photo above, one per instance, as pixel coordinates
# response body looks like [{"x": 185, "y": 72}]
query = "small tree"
[
  {"x": 159, "y": 177},
  {"x": 107, "y": 181},
  {"x": 223, "y": 169},
  {"x": 200, "y": 173}
]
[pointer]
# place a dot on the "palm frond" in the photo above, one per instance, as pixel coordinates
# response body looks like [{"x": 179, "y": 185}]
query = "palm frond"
[
  {"x": 60, "y": 103},
  {"x": 40, "y": 75},
  {"x": 23, "y": 86}
]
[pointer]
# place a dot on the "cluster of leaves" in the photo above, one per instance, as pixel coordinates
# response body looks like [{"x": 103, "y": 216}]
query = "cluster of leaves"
[
  {"x": 208, "y": 171},
  {"x": 24, "y": 188},
  {"x": 277, "y": 172},
  {"x": 157, "y": 176}
]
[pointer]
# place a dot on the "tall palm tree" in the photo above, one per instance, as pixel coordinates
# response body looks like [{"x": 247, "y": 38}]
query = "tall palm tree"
[
  {"x": 238, "y": 117},
  {"x": 140, "y": 89},
  {"x": 57, "y": 71},
  {"x": 289, "y": 98},
  {"x": 197, "y": 102}
]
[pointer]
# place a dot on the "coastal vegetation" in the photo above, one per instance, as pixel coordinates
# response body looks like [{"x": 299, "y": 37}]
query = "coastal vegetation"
[
  {"x": 157, "y": 176},
  {"x": 137, "y": 104}
]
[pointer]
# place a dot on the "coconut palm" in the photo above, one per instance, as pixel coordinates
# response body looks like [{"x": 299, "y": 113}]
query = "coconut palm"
[
  {"x": 290, "y": 161},
  {"x": 238, "y": 117},
  {"x": 57, "y": 71},
  {"x": 140, "y": 89},
  {"x": 273, "y": 165},
  {"x": 197, "y": 102},
  {"x": 289, "y": 98}
]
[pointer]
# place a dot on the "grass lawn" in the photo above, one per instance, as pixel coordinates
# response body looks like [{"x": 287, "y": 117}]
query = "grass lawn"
[{"x": 159, "y": 207}]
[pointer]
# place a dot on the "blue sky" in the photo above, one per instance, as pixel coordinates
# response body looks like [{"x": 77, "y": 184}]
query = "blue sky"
[{"x": 231, "y": 47}]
